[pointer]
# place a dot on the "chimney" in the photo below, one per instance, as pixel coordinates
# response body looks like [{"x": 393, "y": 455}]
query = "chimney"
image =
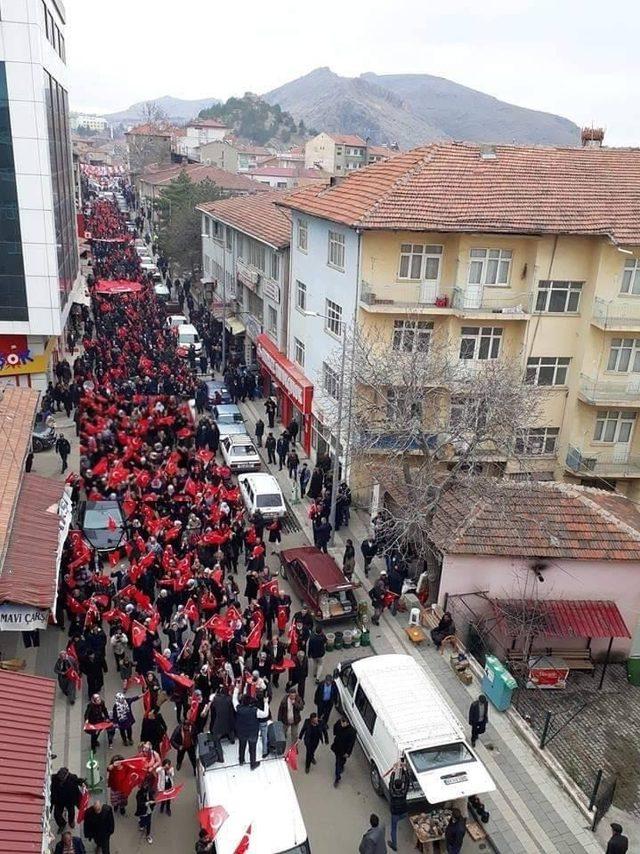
[
  {"x": 592, "y": 137},
  {"x": 488, "y": 152}
]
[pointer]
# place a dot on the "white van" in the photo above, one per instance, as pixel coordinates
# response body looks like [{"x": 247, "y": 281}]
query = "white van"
[
  {"x": 261, "y": 492},
  {"x": 188, "y": 335},
  {"x": 263, "y": 799},
  {"x": 397, "y": 711},
  {"x": 239, "y": 453}
]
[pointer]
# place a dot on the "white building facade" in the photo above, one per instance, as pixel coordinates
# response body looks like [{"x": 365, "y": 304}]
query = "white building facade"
[{"x": 39, "y": 252}]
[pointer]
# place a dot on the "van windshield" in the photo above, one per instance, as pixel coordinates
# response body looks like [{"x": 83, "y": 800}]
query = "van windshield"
[
  {"x": 299, "y": 849},
  {"x": 269, "y": 500},
  {"x": 440, "y": 757},
  {"x": 189, "y": 338}
]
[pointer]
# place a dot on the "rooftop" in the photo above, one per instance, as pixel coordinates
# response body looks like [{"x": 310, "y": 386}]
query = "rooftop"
[
  {"x": 150, "y": 129},
  {"x": 539, "y": 519},
  {"x": 207, "y": 123},
  {"x": 199, "y": 172},
  {"x": 287, "y": 172},
  {"x": 258, "y": 216},
  {"x": 502, "y": 189},
  {"x": 348, "y": 139}
]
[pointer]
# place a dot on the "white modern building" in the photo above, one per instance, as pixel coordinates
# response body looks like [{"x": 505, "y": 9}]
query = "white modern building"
[
  {"x": 200, "y": 132},
  {"x": 95, "y": 123},
  {"x": 38, "y": 246}
]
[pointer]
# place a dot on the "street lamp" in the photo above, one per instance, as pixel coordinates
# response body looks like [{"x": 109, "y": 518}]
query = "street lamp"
[{"x": 336, "y": 460}]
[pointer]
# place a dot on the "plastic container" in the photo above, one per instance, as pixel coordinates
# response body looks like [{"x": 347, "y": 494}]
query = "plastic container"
[
  {"x": 497, "y": 683},
  {"x": 338, "y": 640},
  {"x": 331, "y": 639},
  {"x": 633, "y": 670},
  {"x": 365, "y": 639},
  {"x": 347, "y": 638},
  {"x": 357, "y": 634}
]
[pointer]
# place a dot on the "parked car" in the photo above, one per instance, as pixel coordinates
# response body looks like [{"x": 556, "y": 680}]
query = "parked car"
[
  {"x": 102, "y": 523},
  {"x": 318, "y": 581},
  {"x": 227, "y": 414},
  {"x": 214, "y": 386},
  {"x": 188, "y": 335},
  {"x": 162, "y": 292},
  {"x": 232, "y": 428},
  {"x": 239, "y": 453},
  {"x": 261, "y": 492},
  {"x": 43, "y": 435}
]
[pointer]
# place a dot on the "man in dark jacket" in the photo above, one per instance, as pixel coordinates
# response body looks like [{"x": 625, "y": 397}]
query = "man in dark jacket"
[
  {"x": 478, "y": 717},
  {"x": 69, "y": 842},
  {"x": 372, "y": 841},
  {"x": 269, "y": 606},
  {"x": 270, "y": 445},
  {"x": 369, "y": 550},
  {"x": 270, "y": 406},
  {"x": 65, "y": 795},
  {"x": 325, "y": 698},
  {"x": 63, "y": 449},
  {"x": 222, "y": 717},
  {"x": 298, "y": 673},
  {"x": 292, "y": 429},
  {"x": 316, "y": 651},
  {"x": 96, "y": 713},
  {"x": 282, "y": 449},
  {"x": 344, "y": 739},
  {"x": 398, "y": 788},
  {"x": 312, "y": 733},
  {"x": 99, "y": 825},
  {"x": 323, "y": 535},
  {"x": 618, "y": 844},
  {"x": 259, "y": 432},
  {"x": 455, "y": 831},
  {"x": 247, "y": 725}
]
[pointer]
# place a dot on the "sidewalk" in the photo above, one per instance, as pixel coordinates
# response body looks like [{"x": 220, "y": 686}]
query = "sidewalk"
[{"x": 530, "y": 812}]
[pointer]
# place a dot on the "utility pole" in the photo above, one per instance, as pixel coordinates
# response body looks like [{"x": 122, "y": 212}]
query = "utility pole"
[{"x": 336, "y": 459}]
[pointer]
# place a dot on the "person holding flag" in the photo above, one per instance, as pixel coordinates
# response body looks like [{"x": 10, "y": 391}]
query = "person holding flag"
[
  {"x": 69, "y": 679},
  {"x": 96, "y": 719}
]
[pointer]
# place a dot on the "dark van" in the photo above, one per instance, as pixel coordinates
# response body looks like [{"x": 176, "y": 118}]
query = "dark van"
[{"x": 318, "y": 581}]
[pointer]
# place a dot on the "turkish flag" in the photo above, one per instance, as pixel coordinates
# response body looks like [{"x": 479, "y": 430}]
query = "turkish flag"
[
  {"x": 282, "y": 616},
  {"x": 138, "y": 633},
  {"x": 211, "y": 819},
  {"x": 181, "y": 680},
  {"x": 127, "y": 774},
  {"x": 191, "y": 610},
  {"x": 219, "y": 627},
  {"x": 146, "y": 701},
  {"x": 74, "y": 606},
  {"x": 165, "y": 746},
  {"x": 99, "y": 727},
  {"x": 101, "y": 467},
  {"x": 291, "y": 756},
  {"x": 114, "y": 557},
  {"x": 93, "y": 616},
  {"x": 232, "y": 614},
  {"x": 253, "y": 638},
  {"x": 269, "y": 587},
  {"x": 192, "y": 714},
  {"x": 169, "y": 794},
  {"x": 163, "y": 663},
  {"x": 84, "y": 803},
  {"x": 243, "y": 845}
]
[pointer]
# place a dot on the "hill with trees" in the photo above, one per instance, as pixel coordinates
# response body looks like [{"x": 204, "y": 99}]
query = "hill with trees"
[{"x": 255, "y": 120}]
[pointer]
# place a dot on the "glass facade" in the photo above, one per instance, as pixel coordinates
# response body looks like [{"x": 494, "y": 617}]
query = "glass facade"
[
  {"x": 62, "y": 185},
  {"x": 13, "y": 291}
]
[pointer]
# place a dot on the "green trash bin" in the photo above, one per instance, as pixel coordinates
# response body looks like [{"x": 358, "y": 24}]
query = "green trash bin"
[{"x": 633, "y": 670}]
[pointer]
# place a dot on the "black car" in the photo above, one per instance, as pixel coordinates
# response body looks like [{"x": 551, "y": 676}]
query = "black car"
[
  {"x": 102, "y": 523},
  {"x": 43, "y": 436}
]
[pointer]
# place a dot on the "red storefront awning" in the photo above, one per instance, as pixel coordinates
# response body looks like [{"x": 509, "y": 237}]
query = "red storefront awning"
[
  {"x": 560, "y": 618},
  {"x": 286, "y": 374}
]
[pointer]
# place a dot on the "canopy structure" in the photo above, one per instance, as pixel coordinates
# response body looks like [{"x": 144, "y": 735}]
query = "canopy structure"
[
  {"x": 560, "y": 618},
  {"x": 117, "y": 286}
]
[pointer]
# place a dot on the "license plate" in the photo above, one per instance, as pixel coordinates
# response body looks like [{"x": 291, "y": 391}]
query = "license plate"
[{"x": 453, "y": 779}]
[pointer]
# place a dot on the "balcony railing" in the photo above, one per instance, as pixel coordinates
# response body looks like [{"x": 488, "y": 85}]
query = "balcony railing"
[
  {"x": 614, "y": 464},
  {"x": 598, "y": 391},
  {"x": 616, "y": 313},
  {"x": 471, "y": 302},
  {"x": 401, "y": 295}
]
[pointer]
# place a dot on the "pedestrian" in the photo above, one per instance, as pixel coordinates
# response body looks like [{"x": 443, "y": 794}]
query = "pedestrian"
[
  {"x": 205, "y": 843},
  {"x": 122, "y": 716},
  {"x": 372, "y": 841},
  {"x": 289, "y": 713},
  {"x": 247, "y": 725},
  {"x": 344, "y": 739},
  {"x": 165, "y": 779},
  {"x": 293, "y": 461},
  {"x": 377, "y": 594},
  {"x": 96, "y": 713},
  {"x": 270, "y": 406},
  {"x": 325, "y": 698},
  {"x": 455, "y": 831},
  {"x": 63, "y": 449},
  {"x": 369, "y": 550},
  {"x": 153, "y": 728},
  {"x": 316, "y": 651},
  {"x": 117, "y": 798},
  {"x": 348, "y": 560},
  {"x": 65, "y": 670},
  {"x": 69, "y": 844},
  {"x": 183, "y": 740},
  {"x": 144, "y": 806},
  {"x": 270, "y": 445},
  {"x": 259, "y": 431},
  {"x": 618, "y": 844},
  {"x": 275, "y": 531},
  {"x": 323, "y": 534},
  {"x": 311, "y": 734},
  {"x": 315, "y": 483},
  {"x": 298, "y": 673},
  {"x": 66, "y": 789},
  {"x": 99, "y": 825},
  {"x": 398, "y": 788},
  {"x": 478, "y": 718},
  {"x": 292, "y": 429},
  {"x": 304, "y": 477},
  {"x": 282, "y": 448}
]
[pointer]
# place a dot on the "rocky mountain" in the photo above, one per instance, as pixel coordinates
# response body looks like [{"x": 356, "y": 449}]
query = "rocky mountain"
[
  {"x": 412, "y": 109},
  {"x": 174, "y": 110}
]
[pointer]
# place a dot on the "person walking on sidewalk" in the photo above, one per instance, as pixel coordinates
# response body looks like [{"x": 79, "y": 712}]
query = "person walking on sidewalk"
[
  {"x": 304, "y": 477},
  {"x": 69, "y": 844},
  {"x": 344, "y": 739},
  {"x": 65, "y": 670},
  {"x": 348, "y": 560},
  {"x": 618, "y": 844},
  {"x": 455, "y": 831},
  {"x": 325, "y": 698},
  {"x": 259, "y": 432},
  {"x": 270, "y": 406},
  {"x": 398, "y": 788},
  {"x": 165, "y": 779},
  {"x": 270, "y": 445},
  {"x": 99, "y": 825},
  {"x": 369, "y": 550},
  {"x": 478, "y": 718},
  {"x": 292, "y": 428},
  {"x": 282, "y": 449},
  {"x": 316, "y": 651},
  {"x": 372, "y": 841},
  {"x": 293, "y": 461},
  {"x": 312, "y": 733},
  {"x": 323, "y": 535},
  {"x": 63, "y": 449},
  {"x": 289, "y": 713}
]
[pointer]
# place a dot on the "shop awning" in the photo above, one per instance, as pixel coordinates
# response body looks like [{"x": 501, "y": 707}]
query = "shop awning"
[
  {"x": 235, "y": 326},
  {"x": 560, "y": 618},
  {"x": 29, "y": 574},
  {"x": 26, "y": 711},
  {"x": 116, "y": 286}
]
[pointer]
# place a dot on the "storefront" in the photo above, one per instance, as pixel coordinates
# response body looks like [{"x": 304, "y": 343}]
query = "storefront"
[
  {"x": 293, "y": 391},
  {"x": 24, "y": 361}
]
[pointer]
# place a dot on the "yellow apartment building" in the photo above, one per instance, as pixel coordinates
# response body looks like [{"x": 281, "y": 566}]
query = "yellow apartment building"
[{"x": 518, "y": 253}]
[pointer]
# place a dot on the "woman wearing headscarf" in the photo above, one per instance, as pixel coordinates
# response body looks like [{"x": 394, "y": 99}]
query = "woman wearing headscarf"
[{"x": 122, "y": 716}]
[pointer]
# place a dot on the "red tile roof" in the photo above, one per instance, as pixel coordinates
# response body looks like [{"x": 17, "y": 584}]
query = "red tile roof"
[
  {"x": 258, "y": 216},
  {"x": 450, "y": 186},
  {"x": 26, "y": 712},
  {"x": 348, "y": 139},
  {"x": 207, "y": 123},
  {"x": 257, "y": 150},
  {"x": 28, "y": 575},
  {"x": 150, "y": 130},
  {"x": 199, "y": 172},
  {"x": 542, "y": 519},
  {"x": 560, "y": 618}
]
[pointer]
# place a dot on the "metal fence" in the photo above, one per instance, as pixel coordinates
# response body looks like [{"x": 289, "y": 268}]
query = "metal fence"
[{"x": 602, "y": 797}]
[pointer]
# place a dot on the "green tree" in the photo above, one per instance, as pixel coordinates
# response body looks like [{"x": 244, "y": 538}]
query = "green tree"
[{"x": 180, "y": 224}]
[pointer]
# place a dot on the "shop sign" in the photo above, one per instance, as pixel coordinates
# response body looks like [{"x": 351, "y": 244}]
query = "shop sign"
[
  {"x": 271, "y": 290},
  {"x": 22, "y": 618},
  {"x": 300, "y": 394}
]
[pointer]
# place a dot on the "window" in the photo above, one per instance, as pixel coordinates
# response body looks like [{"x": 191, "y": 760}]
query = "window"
[
  {"x": 399, "y": 407},
  {"x": 624, "y": 355},
  {"x": 537, "y": 441},
  {"x": 348, "y": 678},
  {"x": 207, "y": 227},
  {"x": 480, "y": 342},
  {"x": 614, "y": 425},
  {"x": 631, "y": 277},
  {"x": 301, "y": 296},
  {"x": 257, "y": 255},
  {"x": 559, "y": 296},
  {"x": 272, "y": 321},
  {"x": 418, "y": 261},
  {"x": 547, "y": 370},
  {"x": 229, "y": 238},
  {"x": 336, "y": 250},
  {"x": 216, "y": 229},
  {"x": 412, "y": 336},
  {"x": 298, "y": 352},
  {"x": 303, "y": 235},
  {"x": 275, "y": 266},
  {"x": 330, "y": 381},
  {"x": 365, "y": 708},
  {"x": 467, "y": 413},
  {"x": 490, "y": 266},
  {"x": 333, "y": 319}
]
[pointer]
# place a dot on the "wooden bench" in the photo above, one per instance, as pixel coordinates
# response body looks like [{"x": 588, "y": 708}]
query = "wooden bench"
[
  {"x": 430, "y": 617},
  {"x": 576, "y": 659}
]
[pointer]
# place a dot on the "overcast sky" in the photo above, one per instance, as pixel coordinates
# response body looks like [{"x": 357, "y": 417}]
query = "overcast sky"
[{"x": 577, "y": 58}]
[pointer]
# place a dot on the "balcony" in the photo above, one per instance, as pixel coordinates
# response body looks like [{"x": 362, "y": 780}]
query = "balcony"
[
  {"x": 247, "y": 274},
  {"x": 615, "y": 464},
  {"x": 598, "y": 392},
  {"x": 618, "y": 315},
  {"x": 477, "y": 303},
  {"x": 403, "y": 298}
]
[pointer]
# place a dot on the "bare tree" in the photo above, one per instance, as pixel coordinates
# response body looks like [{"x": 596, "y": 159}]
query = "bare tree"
[
  {"x": 152, "y": 113},
  {"x": 153, "y": 147},
  {"x": 418, "y": 420}
]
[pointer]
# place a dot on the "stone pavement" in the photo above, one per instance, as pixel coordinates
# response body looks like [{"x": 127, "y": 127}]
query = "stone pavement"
[{"x": 530, "y": 812}]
